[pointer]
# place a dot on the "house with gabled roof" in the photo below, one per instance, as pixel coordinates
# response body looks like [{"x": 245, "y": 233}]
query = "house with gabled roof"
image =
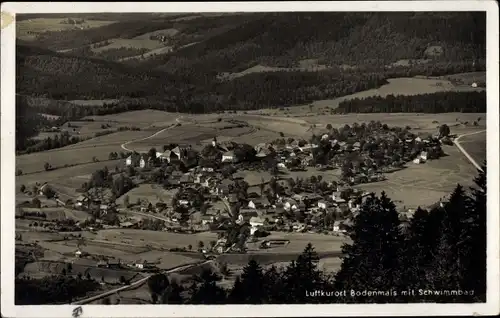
[
  {"x": 133, "y": 160},
  {"x": 144, "y": 161},
  {"x": 228, "y": 156}
]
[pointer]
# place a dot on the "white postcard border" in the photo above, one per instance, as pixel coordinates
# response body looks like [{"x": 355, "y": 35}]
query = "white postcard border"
[{"x": 8, "y": 164}]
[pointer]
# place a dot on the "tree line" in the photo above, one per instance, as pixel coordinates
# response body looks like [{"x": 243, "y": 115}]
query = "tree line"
[
  {"x": 441, "y": 102},
  {"x": 440, "y": 255}
]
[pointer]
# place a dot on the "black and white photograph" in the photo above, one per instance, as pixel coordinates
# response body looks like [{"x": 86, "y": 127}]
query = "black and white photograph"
[{"x": 173, "y": 156}]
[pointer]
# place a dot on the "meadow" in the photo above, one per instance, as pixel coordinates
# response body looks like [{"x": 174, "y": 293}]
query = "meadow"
[
  {"x": 26, "y": 28},
  {"x": 475, "y": 145}
]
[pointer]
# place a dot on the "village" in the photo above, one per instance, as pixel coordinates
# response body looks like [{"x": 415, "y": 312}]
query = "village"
[{"x": 310, "y": 186}]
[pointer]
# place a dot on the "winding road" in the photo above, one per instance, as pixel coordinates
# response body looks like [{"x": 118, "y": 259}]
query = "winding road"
[
  {"x": 124, "y": 145},
  {"x": 466, "y": 154}
]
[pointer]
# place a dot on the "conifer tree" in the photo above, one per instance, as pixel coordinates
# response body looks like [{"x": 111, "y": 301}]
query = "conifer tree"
[
  {"x": 475, "y": 237},
  {"x": 208, "y": 292},
  {"x": 237, "y": 293},
  {"x": 252, "y": 283},
  {"x": 173, "y": 294},
  {"x": 274, "y": 286},
  {"x": 303, "y": 276},
  {"x": 416, "y": 250},
  {"x": 372, "y": 262}
]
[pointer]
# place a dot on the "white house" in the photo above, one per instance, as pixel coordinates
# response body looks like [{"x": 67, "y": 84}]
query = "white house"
[
  {"x": 251, "y": 205},
  {"x": 240, "y": 219},
  {"x": 416, "y": 160},
  {"x": 255, "y": 223},
  {"x": 228, "y": 156},
  {"x": 78, "y": 253},
  {"x": 322, "y": 204},
  {"x": 80, "y": 201},
  {"x": 339, "y": 227},
  {"x": 418, "y": 139},
  {"x": 206, "y": 219},
  {"x": 281, "y": 165},
  {"x": 337, "y": 198},
  {"x": 139, "y": 265},
  {"x": 290, "y": 205}
]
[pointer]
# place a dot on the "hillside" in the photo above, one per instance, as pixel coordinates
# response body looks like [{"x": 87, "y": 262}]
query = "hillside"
[
  {"x": 345, "y": 53},
  {"x": 282, "y": 39},
  {"x": 63, "y": 76}
]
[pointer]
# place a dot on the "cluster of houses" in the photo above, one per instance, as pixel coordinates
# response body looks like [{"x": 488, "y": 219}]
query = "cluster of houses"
[{"x": 257, "y": 210}]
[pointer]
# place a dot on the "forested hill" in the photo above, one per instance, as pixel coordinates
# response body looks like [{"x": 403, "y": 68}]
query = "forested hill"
[
  {"x": 189, "y": 79},
  {"x": 282, "y": 39},
  {"x": 41, "y": 72}
]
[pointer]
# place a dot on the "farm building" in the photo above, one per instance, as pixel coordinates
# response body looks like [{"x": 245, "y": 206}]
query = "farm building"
[
  {"x": 144, "y": 161},
  {"x": 133, "y": 160},
  {"x": 80, "y": 201},
  {"x": 228, "y": 157},
  {"x": 291, "y": 205},
  {"x": 206, "y": 219},
  {"x": 169, "y": 156},
  {"x": 255, "y": 223},
  {"x": 322, "y": 204}
]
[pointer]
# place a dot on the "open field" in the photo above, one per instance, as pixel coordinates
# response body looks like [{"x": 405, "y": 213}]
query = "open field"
[
  {"x": 309, "y": 65},
  {"x": 396, "y": 86},
  {"x": 26, "y": 28},
  {"x": 138, "y": 117},
  {"x": 425, "y": 184},
  {"x": 78, "y": 153},
  {"x": 420, "y": 123},
  {"x": 164, "y": 32},
  {"x": 151, "y": 192},
  {"x": 60, "y": 213},
  {"x": 162, "y": 260},
  {"x": 93, "y": 102},
  {"x": 154, "y": 238},
  {"x": 136, "y": 43},
  {"x": 475, "y": 145},
  {"x": 82, "y": 170},
  {"x": 109, "y": 275}
]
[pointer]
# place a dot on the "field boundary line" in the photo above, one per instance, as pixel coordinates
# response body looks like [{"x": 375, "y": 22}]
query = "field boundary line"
[
  {"x": 466, "y": 154},
  {"x": 124, "y": 145}
]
